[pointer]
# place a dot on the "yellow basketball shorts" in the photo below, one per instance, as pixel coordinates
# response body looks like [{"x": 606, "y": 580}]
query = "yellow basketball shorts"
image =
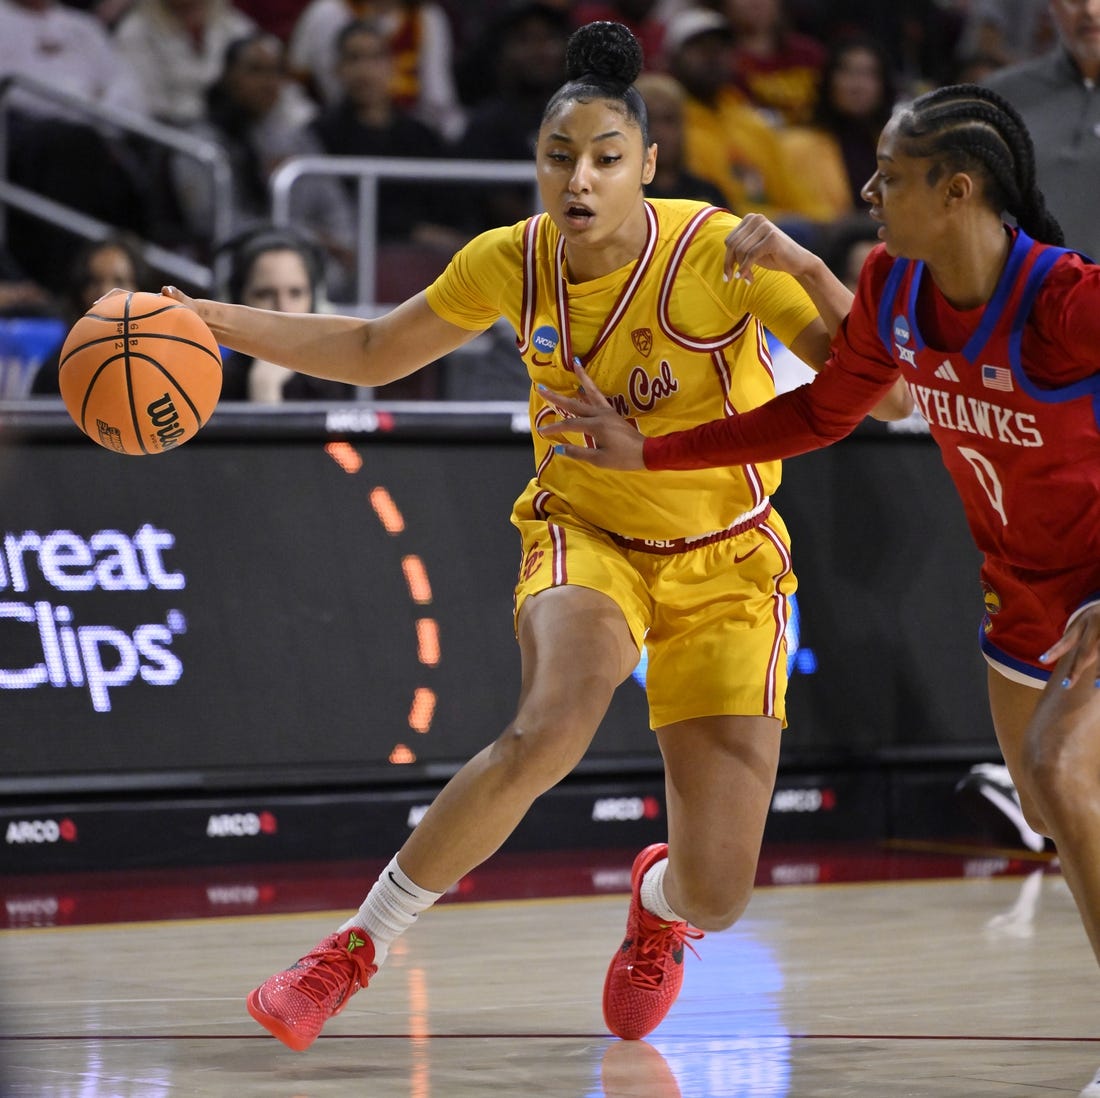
[{"x": 712, "y": 613}]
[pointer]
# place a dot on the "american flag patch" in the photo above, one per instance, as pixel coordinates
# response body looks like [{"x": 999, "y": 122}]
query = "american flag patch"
[{"x": 997, "y": 377}]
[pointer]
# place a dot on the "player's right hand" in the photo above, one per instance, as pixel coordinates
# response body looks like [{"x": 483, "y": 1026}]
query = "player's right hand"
[
  {"x": 1081, "y": 642},
  {"x": 615, "y": 444},
  {"x": 756, "y": 242}
]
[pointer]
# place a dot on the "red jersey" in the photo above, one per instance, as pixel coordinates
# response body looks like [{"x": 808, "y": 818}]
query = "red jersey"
[{"x": 1010, "y": 390}]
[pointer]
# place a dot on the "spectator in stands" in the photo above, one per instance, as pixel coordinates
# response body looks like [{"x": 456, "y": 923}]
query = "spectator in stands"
[
  {"x": 920, "y": 36},
  {"x": 639, "y": 15},
  {"x": 275, "y": 268},
  {"x": 108, "y": 12},
  {"x": 276, "y": 16},
  {"x": 20, "y": 295},
  {"x": 725, "y": 138},
  {"x": 68, "y": 50},
  {"x": 857, "y": 96},
  {"x": 974, "y": 68},
  {"x": 481, "y": 70},
  {"x": 1006, "y": 31},
  {"x": 116, "y": 262},
  {"x": 366, "y": 121},
  {"x": 420, "y": 40},
  {"x": 846, "y": 244},
  {"x": 253, "y": 114},
  {"x": 52, "y": 148},
  {"x": 177, "y": 48},
  {"x": 777, "y": 68},
  {"x": 664, "y": 100},
  {"x": 1056, "y": 94},
  {"x": 525, "y": 49}
]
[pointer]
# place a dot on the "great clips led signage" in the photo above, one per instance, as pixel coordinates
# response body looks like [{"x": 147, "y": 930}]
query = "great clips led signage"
[
  {"x": 51, "y": 638},
  {"x": 259, "y": 612},
  {"x": 268, "y": 612}
]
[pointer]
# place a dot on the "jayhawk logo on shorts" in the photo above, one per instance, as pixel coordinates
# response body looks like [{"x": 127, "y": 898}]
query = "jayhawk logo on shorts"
[{"x": 992, "y": 599}]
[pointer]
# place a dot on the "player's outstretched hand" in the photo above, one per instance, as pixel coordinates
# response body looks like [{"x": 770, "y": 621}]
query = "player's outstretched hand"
[
  {"x": 178, "y": 295},
  {"x": 110, "y": 293},
  {"x": 1081, "y": 642},
  {"x": 618, "y": 445},
  {"x": 756, "y": 242}
]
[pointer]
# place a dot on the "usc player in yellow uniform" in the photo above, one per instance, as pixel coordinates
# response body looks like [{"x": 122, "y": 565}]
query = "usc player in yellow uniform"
[{"x": 695, "y": 565}]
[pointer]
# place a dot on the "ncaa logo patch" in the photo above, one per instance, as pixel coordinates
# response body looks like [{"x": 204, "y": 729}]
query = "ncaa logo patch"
[
  {"x": 545, "y": 339},
  {"x": 901, "y": 329}
]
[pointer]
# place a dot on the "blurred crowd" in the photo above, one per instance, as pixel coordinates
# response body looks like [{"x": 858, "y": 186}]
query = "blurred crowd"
[{"x": 756, "y": 105}]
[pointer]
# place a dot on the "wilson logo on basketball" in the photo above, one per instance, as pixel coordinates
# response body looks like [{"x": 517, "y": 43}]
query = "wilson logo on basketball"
[{"x": 166, "y": 421}]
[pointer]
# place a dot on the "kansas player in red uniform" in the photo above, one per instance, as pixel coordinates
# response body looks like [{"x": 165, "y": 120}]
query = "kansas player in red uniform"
[{"x": 996, "y": 329}]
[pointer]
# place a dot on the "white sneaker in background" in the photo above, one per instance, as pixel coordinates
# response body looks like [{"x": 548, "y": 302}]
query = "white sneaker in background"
[
  {"x": 1093, "y": 1089},
  {"x": 991, "y": 785}
]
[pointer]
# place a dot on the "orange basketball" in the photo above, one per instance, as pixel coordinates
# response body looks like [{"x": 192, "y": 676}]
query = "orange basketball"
[{"x": 140, "y": 373}]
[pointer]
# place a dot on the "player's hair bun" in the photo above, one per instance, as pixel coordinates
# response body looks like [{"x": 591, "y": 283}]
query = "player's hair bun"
[{"x": 603, "y": 52}]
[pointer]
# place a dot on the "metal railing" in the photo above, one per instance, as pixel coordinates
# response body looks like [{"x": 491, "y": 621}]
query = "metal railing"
[
  {"x": 370, "y": 172},
  {"x": 210, "y": 155}
]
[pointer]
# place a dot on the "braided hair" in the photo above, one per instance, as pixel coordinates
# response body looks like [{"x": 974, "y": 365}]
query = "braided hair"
[
  {"x": 965, "y": 127},
  {"x": 602, "y": 61}
]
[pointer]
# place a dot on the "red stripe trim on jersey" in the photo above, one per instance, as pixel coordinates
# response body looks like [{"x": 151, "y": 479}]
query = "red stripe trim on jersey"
[
  {"x": 624, "y": 299},
  {"x": 763, "y": 351},
  {"x": 722, "y": 369},
  {"x": 557, "y": 543},
  {"x": 752, "y": 475},
  {"x": 780, "y": 614},
  {"x": 664, "y": 297},
  {"x": 544, "y": 415},
  {"x": 527, "y": 303},
  {"x": 725, "y": 379},
  {"x": 561, "y": 304},
  {"x": 538, "y": 505}
]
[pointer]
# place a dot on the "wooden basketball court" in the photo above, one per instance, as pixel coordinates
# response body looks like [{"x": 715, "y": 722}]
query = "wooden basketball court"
[{"x": 968, "y": 984}]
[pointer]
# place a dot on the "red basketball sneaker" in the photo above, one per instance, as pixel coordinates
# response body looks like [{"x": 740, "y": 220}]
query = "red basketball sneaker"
[
  {"x": 296, "y": 1003},
  {"x": 645, "y": 975}
]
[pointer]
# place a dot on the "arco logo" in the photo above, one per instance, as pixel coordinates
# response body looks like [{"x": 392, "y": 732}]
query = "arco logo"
[{"x": 37, "y": 832}]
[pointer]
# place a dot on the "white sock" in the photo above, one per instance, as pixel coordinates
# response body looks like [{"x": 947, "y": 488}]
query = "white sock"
[
  {"x": 390, "y": 908},
  {"x": 652, "y": 893}
]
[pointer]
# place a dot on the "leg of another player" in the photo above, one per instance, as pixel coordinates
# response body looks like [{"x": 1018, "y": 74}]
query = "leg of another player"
[
  {"x": 1060, "y": 771},
  {"x": 1012, "y": 706},
  {"x": 719, "y": 777},
  {"x": 576, "y": 649}
]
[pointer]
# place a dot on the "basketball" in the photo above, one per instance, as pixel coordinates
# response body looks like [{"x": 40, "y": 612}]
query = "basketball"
[{"x": 139, "y": 373}]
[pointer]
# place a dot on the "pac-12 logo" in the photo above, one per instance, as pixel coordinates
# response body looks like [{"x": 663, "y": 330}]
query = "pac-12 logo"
[{"x": 545, "y": 342}]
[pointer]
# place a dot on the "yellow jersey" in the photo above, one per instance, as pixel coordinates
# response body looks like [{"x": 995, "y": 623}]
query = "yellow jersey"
[{"x": 665, "y": 340}]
